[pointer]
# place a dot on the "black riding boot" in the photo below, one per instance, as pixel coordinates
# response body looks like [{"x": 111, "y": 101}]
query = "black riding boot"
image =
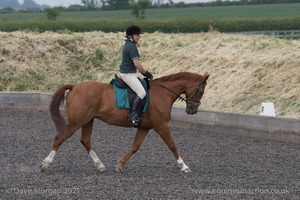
[{"x": 133, "y": 115}]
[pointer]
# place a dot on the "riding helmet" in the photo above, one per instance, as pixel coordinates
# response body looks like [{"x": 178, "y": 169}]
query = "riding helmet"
[{"x": 133, "y": 30}]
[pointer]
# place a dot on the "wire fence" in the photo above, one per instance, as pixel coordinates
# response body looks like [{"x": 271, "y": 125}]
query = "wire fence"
[{"x": 292, "y": 34}]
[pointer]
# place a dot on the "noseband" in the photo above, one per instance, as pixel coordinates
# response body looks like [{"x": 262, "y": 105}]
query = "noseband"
[
  {"x": 193, "y": 101},
  {"x": 195, "y": 93}
]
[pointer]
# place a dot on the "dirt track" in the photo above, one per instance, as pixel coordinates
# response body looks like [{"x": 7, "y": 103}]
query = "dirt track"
[{"x": 223, "y": 167}]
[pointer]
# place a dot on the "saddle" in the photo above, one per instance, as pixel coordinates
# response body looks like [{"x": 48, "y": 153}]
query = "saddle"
[{"x": 124, "y": 95}]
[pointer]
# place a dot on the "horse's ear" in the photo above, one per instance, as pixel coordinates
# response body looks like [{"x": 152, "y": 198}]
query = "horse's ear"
[{"x": 205, "y": 77}]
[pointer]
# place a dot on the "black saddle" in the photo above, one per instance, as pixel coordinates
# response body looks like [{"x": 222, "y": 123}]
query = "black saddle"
[{"x": 131, "y": 94}]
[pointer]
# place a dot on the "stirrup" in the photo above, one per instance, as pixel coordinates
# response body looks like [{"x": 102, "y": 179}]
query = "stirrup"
[
  {"x": 135, "y": 120},
  {"x": 136, "y": 123}
]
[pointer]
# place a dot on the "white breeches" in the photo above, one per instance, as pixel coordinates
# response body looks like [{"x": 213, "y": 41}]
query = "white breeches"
[{"x": 133, "y": 82}]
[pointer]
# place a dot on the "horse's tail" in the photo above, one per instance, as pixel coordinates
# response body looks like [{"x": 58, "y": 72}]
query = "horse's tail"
[{"x": 57, "y": 99}]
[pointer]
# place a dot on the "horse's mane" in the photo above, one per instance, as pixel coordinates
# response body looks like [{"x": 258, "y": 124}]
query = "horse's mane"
[{"x": 181, "y": 75}]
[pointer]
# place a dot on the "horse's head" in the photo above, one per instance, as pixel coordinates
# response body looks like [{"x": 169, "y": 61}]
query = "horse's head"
[{"x": 194, "y": 95}]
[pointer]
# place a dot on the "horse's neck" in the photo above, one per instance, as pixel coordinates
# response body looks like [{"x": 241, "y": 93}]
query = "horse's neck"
[{"x": 176, "y": 88}]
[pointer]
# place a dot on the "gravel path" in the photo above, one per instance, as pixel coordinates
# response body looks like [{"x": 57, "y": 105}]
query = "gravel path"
[{"x": 223, "y": 167}]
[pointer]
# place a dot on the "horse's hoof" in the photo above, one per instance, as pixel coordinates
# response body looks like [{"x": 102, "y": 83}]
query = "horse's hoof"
[
  {"x": 42, "y": 169},
  {"x": 102, "y": 169},
  {"x": 118, "y": 169},
  {"x": 187, "y": 170},
  {"x": 44, "y": 166}
]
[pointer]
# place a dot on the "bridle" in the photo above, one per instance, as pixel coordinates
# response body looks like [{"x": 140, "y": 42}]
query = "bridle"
[{"x": 193, "y": 101}]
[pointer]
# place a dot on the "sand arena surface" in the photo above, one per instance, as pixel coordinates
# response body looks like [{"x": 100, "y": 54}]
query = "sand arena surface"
[
  {"x": 246, "y": 70},
  {"x": 223, "y": 167}
]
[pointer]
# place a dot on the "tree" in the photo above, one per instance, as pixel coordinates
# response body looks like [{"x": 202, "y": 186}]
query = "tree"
[
  {"x": 117, "y": 4},
  {"x": 52, "y": 13},
  {"x": 90, "y": 4},
  {"x": 135, "y": 10},
  {"x": 138, "y": 7},
  {"x": 7, "y": 10}
]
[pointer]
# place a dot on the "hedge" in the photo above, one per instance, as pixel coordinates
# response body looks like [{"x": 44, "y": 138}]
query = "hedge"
[{"x": 175, "y": 25}]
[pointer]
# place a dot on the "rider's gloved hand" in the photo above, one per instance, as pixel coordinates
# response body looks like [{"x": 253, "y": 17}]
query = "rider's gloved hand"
[{"x": 148, "y": 75}]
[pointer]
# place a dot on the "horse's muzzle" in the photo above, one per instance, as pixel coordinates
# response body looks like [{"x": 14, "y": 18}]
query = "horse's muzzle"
[{"x": 191, "y": 111}]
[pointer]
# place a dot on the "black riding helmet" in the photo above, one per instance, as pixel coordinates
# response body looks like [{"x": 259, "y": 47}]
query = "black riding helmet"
[{"x": 133, "y": 30}]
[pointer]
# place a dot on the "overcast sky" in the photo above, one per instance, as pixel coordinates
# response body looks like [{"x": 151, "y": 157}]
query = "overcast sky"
[{"x": 67, "y": 3}]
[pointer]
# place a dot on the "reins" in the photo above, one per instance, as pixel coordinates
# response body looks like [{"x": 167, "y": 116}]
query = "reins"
[
  {"x": 195, "y": 92},
  {"x": 178, "y": 96}
]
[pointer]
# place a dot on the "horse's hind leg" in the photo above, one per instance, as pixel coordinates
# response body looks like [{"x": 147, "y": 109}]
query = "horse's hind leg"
[
  {"x": 138, "y": 140},
  {"x": 86, "y": 142},
  {"x": 58, "y": 140}
]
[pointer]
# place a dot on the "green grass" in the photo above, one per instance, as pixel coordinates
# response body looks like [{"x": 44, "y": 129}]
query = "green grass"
[
  {"x": 214, "y": 12},
  {"x": 168, "y": 20}
]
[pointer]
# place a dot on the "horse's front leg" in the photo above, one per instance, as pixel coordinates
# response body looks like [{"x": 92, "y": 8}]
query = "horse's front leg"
[
  {"x": 165, "y": 134},
  {"x": 138, "y": 140}
]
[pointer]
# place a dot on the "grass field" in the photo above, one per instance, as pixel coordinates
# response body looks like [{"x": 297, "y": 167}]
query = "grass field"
[{"x": 215, "y": 12}]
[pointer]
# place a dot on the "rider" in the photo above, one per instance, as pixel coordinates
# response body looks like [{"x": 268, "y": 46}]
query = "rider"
[{"x": 128, "y": 68}]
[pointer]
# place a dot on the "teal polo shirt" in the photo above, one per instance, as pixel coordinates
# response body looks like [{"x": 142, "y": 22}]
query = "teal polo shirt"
[{"x": 129, "y": 53}]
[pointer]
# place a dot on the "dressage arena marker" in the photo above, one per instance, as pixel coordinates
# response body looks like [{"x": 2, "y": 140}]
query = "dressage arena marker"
[{"x": 267, "y": 109}]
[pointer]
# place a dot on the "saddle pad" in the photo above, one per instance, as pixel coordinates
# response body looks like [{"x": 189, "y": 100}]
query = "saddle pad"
[{"x": 122, "y": 98}]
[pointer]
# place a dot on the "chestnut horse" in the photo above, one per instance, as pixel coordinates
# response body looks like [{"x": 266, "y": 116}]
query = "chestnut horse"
[{"x": 88, "y": 100}]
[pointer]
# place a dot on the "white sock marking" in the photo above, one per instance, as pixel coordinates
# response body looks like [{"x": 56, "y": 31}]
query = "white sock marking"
[
  {"x": 96, "y": 160},
  {"x": 50, "y": 157},
  {"x": 181, "y": 164}
]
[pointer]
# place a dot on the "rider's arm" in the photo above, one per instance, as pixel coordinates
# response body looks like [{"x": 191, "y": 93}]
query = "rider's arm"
[{"x": 139, "y": 65}]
